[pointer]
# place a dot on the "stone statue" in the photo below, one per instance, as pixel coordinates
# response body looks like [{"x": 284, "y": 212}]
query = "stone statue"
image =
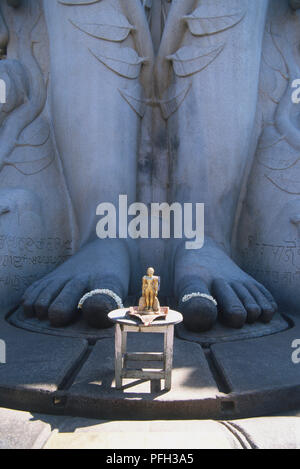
[{"x": 160, "y": 101}]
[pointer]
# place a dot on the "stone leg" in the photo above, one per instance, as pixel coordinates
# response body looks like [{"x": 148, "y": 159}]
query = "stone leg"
[
  {"x": 268, "y": 229},
  {"x": 212, "y": 139},
  {"x": 34, "y": 207},
  {"x": 96, "y": 68}
]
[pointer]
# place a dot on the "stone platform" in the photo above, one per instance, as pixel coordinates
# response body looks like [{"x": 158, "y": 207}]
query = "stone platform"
[{"x": 221, "y": 375}]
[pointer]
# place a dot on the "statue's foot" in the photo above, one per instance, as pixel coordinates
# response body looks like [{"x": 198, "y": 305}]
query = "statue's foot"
[
  {"x": 211, "y": 272},
  {"x": 103, "y": 264}
]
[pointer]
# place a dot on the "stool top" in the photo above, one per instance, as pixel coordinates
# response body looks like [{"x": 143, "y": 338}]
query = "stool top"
[{"x": 120, "y": 316}]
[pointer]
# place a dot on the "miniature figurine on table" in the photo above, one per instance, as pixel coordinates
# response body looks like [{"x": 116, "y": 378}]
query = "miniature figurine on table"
[
  {"x": 150, "y": 288},
  {"x": 149, "y": 307}
]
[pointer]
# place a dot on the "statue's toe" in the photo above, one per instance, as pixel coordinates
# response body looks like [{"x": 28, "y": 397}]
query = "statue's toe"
[
  {"x": 199, "y": 314},
  {"x": 251, "y": 306},
  {"x": 264, "y": 300},
  {"x": 64, "y": 309},
  {"x": 47, "y": 296},
  {"x": 30, "y": 296},
  {"x": 96, "y": 309},
  {"x": 231, "y": 310}
]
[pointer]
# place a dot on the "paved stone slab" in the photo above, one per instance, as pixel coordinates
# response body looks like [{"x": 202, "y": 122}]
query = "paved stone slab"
[
  {"x": 207, "y": 432},
  {"x": 221, "y": 333},
  {"x": 36, "y": 366},
  {"x": 140, "y": 435},
  {"x": 263, "y": 370},
  {"x": 22, "y": 430},
  {"x": 193, "y": 393},
  {"x": 269, "y": 432}
]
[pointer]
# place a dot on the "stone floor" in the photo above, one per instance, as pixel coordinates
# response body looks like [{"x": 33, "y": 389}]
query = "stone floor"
[
  {"x": 24, "y": 430},
  {"x": 225, "y": 375}
]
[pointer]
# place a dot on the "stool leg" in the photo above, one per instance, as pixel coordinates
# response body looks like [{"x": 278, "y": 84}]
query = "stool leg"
[
  {"x": 169, "y": 342},
  {"x": 118, "y": 356},
  {"x": 124, "y": 348},
  {"x": 155, "y": 386}
]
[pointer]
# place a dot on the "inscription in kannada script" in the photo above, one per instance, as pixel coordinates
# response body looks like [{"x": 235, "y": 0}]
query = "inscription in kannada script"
[{"x": 17, "y": 244}]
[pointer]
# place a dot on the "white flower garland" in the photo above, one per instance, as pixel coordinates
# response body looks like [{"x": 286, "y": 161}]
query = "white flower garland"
[
  {"x": 198, "y": 295},
  {"x": 110, "y": 293}
]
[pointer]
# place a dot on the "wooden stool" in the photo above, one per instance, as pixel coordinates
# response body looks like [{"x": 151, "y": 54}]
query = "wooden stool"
[{"x": 124, "y": 324}]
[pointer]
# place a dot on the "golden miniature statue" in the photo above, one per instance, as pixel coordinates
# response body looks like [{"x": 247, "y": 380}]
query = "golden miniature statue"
[
  {"x": 149, "y": 301},
  {"x": 149, "y": 308}
]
